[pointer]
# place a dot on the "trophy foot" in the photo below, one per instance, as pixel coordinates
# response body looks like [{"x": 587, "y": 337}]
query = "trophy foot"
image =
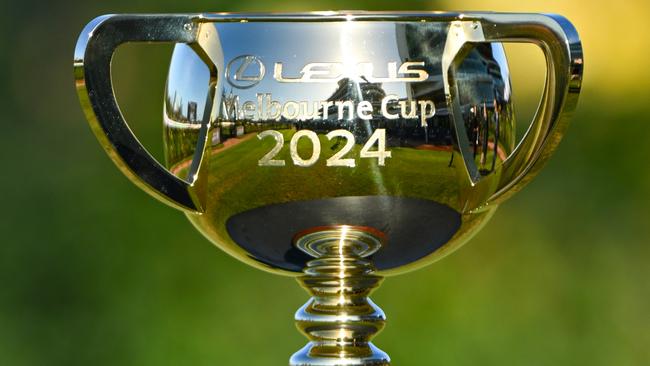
[{"x": 340, "y": 320}]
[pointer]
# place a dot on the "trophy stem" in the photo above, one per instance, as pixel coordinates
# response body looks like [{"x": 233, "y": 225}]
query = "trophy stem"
[{"x": 340, "y": 319}]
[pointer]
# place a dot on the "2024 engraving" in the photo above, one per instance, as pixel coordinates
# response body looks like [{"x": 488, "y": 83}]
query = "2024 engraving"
[{"x": 337, "y": 160}]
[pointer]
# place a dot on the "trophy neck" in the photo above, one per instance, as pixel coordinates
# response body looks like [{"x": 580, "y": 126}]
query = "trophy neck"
[
  {"x": 340, "y": 240},
  {"x": 340, "y": 320}
]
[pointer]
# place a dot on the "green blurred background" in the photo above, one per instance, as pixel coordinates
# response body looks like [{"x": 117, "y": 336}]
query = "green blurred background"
[{"x": 95, "y": 272}]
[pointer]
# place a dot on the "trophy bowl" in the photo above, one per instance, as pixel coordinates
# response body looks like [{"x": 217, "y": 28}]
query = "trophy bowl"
[{"x": 335, "y": 147}]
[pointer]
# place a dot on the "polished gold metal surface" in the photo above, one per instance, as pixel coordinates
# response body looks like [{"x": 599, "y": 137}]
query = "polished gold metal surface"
[
  {"x": 283, "y": 132},
  {"x": 339, "y": 319}
]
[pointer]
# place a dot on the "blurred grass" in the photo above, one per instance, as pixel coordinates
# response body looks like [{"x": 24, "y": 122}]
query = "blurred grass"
[{"x": 93, "y": 271}]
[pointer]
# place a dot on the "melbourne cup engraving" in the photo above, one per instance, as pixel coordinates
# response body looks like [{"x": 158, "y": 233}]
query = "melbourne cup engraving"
[{"x": 337, "y": 148}]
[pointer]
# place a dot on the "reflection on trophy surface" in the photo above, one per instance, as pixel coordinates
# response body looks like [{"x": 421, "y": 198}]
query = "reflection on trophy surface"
[{"x": 336, "y": 148}]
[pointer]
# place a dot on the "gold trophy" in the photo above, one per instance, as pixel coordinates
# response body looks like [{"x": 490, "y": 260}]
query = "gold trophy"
[{"x": 335, "y": 147}]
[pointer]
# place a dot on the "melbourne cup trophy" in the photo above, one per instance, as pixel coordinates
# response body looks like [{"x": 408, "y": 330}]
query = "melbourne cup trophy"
[{"x": 335, "y": 147}]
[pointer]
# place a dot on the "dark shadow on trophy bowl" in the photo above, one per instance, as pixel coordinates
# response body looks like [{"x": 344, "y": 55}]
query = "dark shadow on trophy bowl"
[{"x": 414, "y": 228}]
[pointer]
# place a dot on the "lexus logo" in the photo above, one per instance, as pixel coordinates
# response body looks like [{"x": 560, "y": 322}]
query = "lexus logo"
[{"x": 245, "y": 71}]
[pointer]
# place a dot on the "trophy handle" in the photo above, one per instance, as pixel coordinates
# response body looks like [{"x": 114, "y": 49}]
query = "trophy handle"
[
  {"x": 92, "y": 67},
  {"x": 560, "y": 42}
]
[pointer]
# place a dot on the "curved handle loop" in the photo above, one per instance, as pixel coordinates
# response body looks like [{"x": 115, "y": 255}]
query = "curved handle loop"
[
  {"x": 92, "y": 66},
  {"x": 559, "y": 41}
]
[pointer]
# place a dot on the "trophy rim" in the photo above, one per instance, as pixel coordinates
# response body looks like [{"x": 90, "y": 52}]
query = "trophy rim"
[{"x": 341, "y": 15}]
